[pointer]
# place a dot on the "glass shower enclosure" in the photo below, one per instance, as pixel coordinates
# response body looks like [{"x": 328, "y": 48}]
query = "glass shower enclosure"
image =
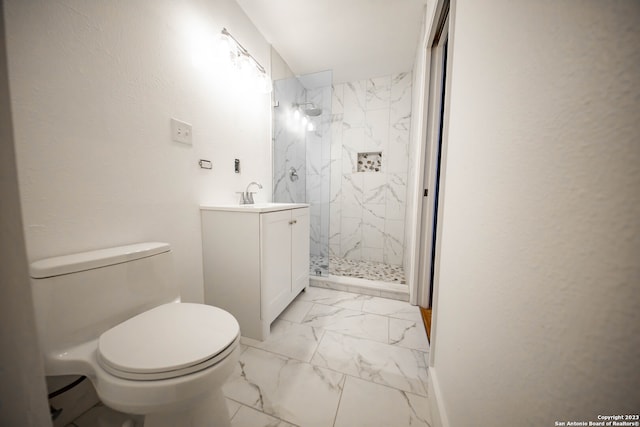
[{"x": 302, "y": 154}]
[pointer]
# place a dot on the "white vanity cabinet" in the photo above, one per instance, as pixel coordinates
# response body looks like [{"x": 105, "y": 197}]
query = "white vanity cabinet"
[{"x": 256, "y": 260}]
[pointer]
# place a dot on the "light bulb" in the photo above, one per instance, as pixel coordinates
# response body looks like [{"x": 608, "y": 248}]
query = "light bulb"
[
  {"x": 296, "y": 114},
  {"x": 246, "y": 68},
  {"x": 264, "y": 84},
  {"x": 226, "y": 49},
  {"x": 311, "y": 127},
  {"x": 305, "y": 120}
]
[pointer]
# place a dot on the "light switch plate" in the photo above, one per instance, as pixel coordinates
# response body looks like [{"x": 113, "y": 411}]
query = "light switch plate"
[{"x": 181, "y": 131}]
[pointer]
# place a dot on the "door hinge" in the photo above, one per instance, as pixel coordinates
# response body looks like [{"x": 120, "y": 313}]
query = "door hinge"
[{"x": 426, "y": 192}]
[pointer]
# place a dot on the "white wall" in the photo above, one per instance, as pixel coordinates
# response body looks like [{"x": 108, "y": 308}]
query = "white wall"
[
  {"x": 94, "y": 85},
  {"x": 537, "y": 306},
  {"x": 22, "y": 388},
  {"x": 279, "y": 67}
]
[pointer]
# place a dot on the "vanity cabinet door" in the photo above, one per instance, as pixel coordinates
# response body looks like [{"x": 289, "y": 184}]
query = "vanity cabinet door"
[
  {"x": 275, "y": 263},
  {"x": 299, "y": 249}
]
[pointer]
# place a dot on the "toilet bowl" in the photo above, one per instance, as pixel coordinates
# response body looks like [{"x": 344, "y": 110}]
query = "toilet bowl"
[{"x": 114, "y": 315}]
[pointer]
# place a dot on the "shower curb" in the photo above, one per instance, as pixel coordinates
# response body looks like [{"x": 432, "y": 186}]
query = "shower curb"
[{"x": 362, "y": 286}]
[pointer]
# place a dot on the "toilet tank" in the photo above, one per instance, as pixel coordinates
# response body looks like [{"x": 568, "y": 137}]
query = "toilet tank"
[{"x": 78, "y": 297}]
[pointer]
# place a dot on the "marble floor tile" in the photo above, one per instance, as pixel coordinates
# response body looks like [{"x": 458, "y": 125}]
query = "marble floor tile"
[
  {"x": 232, "y": 407},
  {"x": 289, "y": 339},
  {"x": 408, "y": 333},
  {"x": 392, "y": 308},
  {"x": 393, "y": 366},
  {"x": 296, "y": 311},
  {"x": 290, "y": 390},
  {"x": 247, "y": 417},
  {"x": 101, "y": 415},
  {"x": 349, "y": 322},
  {"x": 332, "y": 297},
  {"x": 365, "y": 404}
]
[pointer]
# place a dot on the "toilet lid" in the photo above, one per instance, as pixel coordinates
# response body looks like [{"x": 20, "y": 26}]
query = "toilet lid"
[{"x": 168, "y": 341}]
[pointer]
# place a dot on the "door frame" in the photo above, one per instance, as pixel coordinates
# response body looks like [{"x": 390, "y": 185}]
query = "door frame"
[
  {"x": 435, "y": 115},
  {"x": 427, "y": 113}
]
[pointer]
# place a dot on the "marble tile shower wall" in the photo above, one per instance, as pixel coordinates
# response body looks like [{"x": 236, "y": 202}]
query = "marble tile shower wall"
[{"x": 367, "y": 209}]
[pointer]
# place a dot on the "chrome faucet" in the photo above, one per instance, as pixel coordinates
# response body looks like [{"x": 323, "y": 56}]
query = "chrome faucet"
[{"x": 246, "y": 198}]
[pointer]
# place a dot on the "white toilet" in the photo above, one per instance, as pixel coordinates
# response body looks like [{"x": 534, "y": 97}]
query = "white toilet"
[{"x": 115, "y": 316}]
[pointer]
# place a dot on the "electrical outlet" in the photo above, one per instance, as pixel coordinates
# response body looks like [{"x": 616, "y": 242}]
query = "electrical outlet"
[{"x": 181, "y": 131}]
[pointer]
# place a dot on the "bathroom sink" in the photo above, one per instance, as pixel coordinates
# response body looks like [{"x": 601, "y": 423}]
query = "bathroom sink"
[{"x": 255, "y": 207}]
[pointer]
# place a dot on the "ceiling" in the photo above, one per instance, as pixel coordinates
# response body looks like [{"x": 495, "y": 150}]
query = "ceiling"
[{"x": 357, "y": 39}]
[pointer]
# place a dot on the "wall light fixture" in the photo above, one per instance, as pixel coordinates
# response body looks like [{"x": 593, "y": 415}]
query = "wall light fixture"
[{"x": 244, "y": 62}]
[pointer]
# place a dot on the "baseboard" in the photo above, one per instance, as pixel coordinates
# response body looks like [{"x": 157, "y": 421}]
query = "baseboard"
[{"x": 436, "y": 402}]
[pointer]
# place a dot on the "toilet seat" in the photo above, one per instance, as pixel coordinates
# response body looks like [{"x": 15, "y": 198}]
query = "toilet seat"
[{"x": 168, "y": 341}]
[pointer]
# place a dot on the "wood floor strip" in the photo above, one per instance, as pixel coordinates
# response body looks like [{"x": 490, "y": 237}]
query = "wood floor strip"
[{"x": 426, "y": 318}]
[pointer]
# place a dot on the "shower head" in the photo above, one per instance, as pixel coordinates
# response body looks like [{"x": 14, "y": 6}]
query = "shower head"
[
  {"x": 313, "y": 111},
  {"x": 309, "y": 108}
]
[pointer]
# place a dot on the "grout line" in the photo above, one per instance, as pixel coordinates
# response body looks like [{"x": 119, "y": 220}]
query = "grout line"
[
  {"x": 290, "y": 358},
  {"x": 317, "y": 346},
  {"x": 89, "y": 409},
  {"x": 307, "y": 311},
  {"x": 365, "y": 311},
  {"x": 344, "y": 384},
  {"x": 426, "y": 395},
  {"x": 258, "y": 410},
  {"x": 231, "y": 416}
]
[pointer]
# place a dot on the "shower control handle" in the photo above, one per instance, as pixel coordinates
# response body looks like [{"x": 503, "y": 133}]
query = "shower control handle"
[{"x": 293, "y": 174}]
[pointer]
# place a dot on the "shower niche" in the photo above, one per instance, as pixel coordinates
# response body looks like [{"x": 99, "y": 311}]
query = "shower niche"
[{"x": 370, "y": 162}]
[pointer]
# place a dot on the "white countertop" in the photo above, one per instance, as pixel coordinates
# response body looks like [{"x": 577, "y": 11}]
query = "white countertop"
[{"x": 256, "y": 207}]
